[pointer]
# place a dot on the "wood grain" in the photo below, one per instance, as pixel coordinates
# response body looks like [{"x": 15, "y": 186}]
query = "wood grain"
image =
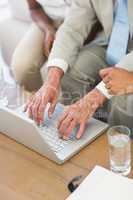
[{"x": 26, "y": 175}]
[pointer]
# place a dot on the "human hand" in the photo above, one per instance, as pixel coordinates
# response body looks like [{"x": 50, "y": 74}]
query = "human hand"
[
  {"x": 118, "y": 81},
  {"x": 48, "y": 93},
  {"x": 79, "y": 113},
  {"x": 49, "y": 39}
]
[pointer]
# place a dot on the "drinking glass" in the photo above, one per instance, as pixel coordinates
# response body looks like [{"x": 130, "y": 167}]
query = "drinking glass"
[{"x": 120, "y": 149}]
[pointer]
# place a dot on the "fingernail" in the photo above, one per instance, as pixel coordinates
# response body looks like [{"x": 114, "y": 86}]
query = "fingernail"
[
  {"x": 78, "y": 137},
  {"x": 65, "y": 138}
]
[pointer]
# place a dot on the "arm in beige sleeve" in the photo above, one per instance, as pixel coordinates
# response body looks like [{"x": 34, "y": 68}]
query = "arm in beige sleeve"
[{"x": 71, "y": 35}]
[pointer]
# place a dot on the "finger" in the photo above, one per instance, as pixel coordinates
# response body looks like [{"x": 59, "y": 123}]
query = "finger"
[
  {"x": 30, "y": 114},
  {"x": 29, "y": 109},
  {"x": 105, "y": 72},
  {"x": 64, "y": 125},
  {"x": 52, "y": 108},
  {"x": 27, "y": 104},
  {"x": 81, "y": 130},
  {"x": 111, "y": 92},
  {"x": 106, "y": 79},
  {"x": 62, "y": 118},
  {"x": 48, "y": 47},
  {"x": 41, "y": 109},
  {"x": 46, "y": 52},
  {"x": 108, "y": 86},
  {"x": 35, "y": 110},
  {"x": 69, "y": 130},
  {"x": 26, "y": 107}
]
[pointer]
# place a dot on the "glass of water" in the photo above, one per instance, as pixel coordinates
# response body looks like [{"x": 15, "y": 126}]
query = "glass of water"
[{"x": 120, "y": 149}]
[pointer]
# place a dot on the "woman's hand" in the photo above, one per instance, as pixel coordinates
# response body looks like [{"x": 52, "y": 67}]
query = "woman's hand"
[
  {"x": 79, "y": 114},
  {"x": 118, "y": 81}
]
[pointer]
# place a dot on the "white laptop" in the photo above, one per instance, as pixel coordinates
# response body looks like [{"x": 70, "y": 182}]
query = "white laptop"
[{"x": 45, "y": 139}]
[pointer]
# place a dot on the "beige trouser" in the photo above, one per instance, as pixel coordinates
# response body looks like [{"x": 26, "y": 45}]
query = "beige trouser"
[
  {"x": 79, "y": 80},
  {"x": 28, "y": 58}
]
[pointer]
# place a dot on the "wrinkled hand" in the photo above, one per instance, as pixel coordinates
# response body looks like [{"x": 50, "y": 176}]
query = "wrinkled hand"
[
  {"x": 49, "y": 39},
  {"x": 79, "y": 113},
  {"x": 118, "y": 81},
  {"x": 48, "y": 93}
]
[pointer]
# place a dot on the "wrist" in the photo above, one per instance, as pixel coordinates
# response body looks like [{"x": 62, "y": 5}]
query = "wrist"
[
  {"x": 97, "y": 98},
  {"x": 54, "y": 75}
]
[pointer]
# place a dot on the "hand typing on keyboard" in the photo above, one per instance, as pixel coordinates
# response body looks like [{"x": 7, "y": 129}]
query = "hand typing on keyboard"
[
  {"x": 75, "y": 115},
  {"x": 49, "y": 125},
  {"x": 52, "y": 123},
  {"x": 47, "y": 94}
]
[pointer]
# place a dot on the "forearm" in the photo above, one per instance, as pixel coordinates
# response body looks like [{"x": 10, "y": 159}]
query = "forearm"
[
  {"x": 41, "y": 19},
  {"x": 39, "y": 16},
  {"x": 54, "y": 76},
  {"x": 72, "y": 34}
]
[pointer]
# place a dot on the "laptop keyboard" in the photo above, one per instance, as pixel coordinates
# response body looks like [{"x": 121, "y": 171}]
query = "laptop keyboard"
[
  {"x": 51, "y": 136},
  {"x": 49, "y": 130}
]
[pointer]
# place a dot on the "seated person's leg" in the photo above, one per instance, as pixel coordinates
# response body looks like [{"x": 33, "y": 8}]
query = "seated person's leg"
[
  {"x": 122, "y": 111},
  {"x": 28, "y": 59},
  {"x": 84, "y": 75}
]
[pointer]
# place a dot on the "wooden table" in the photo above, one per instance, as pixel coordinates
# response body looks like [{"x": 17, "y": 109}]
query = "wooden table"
[{"x": 25, "y": 175}]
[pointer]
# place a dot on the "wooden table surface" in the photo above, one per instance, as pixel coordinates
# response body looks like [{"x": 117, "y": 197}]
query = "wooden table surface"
[{"x": 25, "y": 175}]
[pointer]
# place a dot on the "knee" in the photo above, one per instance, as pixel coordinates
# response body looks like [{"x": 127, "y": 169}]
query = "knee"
[
  {"x": 26, "y": 74},
  {"x": 19, "y": 69}
]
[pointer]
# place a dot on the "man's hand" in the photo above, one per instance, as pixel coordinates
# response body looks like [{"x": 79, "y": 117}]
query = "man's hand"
[
  {"x": 47, "y": 94},
  {"x": 79, "y": 113},
  {"x": 49, "y": 40},
  {"x": 44, "y": 22},
  {"x": 118, "y": 81}
]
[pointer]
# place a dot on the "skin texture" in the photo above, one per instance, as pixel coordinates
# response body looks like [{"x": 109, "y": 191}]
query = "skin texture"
[
  {"x": 45, "y": 23},
  {"x": 118, "y": 81},
  {"x": 48, "y": 93},
  {"x": 76, "y": 114},
  {"x": 79, "y": 113}
]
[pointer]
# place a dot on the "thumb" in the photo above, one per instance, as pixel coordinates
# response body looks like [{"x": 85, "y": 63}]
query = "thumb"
[
  {"x": 52, "y": 108},
  {"x": 105, "y": 72}
]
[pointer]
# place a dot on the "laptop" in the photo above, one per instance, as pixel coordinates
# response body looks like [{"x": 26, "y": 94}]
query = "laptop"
[{"x": 45, "y": 139}]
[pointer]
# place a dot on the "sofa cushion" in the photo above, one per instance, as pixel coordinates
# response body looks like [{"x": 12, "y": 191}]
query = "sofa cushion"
[
  {"x": 10, "y": 37},
  {"x": 20, "y": 9}
]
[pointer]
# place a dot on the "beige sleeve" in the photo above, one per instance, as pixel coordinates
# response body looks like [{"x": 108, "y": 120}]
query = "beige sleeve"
[{"x": 74, "y": 31}]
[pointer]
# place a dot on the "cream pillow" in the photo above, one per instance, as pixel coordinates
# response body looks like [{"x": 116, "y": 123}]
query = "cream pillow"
[{"x": 20, "y": 9}]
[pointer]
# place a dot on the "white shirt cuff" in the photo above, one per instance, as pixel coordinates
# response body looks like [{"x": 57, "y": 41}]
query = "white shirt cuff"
[
  {"x": 57, "y": 62},
  {"x": 101, "y": 87}
]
